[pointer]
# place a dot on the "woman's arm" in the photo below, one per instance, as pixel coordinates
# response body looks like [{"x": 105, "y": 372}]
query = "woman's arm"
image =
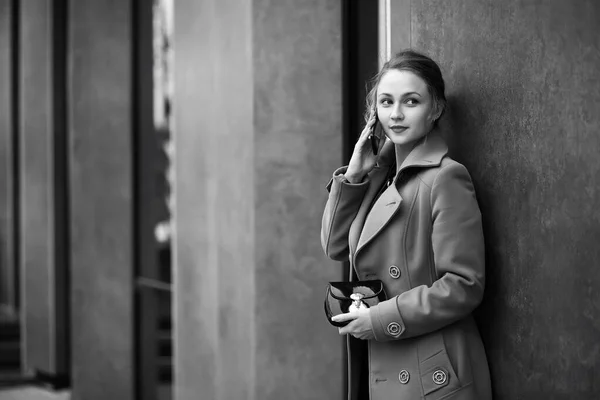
[
  {"x": 342, "y": 205},
  {"x": 458, "y": 248},
  {"x": 347, "y": 189}
]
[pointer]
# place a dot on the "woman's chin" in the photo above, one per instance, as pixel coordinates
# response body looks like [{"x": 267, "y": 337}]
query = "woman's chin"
[{"x": 403, "y": 140}]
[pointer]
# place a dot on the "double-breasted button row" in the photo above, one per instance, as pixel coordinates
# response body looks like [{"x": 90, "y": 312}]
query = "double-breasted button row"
[
  {"x": 439, "y": 377},
  {"x": 394, "y": 272}
]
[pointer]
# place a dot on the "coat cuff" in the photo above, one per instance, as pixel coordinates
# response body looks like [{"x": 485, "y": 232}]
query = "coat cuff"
[
  {"x": 339, "y": 179},
  {"x": 387, "y": 321}
]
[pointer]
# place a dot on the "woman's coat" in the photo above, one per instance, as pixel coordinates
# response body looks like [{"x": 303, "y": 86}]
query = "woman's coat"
[{"x": 423, "y": 238}]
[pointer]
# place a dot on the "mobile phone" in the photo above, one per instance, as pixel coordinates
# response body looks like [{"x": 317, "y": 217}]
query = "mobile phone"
[{"x": 374, "y": 139}]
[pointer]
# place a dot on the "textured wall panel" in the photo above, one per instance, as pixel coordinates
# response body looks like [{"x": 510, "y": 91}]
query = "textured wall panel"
[
  {"x": 8, "y": 271},
  {"x": 298, "y": 111},
  {"x": 214, "y": 241},
  {"x": 258, "y": 132},
  {"x": 101, "y": 202},
  {"x": 524, "y": 93},
  {"x": 42, "y": 184}
]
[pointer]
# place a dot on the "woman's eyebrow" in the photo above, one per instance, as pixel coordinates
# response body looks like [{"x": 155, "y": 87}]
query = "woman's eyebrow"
[{"x": 405, "y": 94}]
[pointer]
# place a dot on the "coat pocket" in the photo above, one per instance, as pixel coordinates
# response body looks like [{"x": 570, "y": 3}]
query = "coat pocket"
[{"x": 438, "y": 378}]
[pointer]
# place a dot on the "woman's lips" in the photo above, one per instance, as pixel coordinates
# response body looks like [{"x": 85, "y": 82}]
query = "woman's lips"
[{"x": 398, "y": 128}]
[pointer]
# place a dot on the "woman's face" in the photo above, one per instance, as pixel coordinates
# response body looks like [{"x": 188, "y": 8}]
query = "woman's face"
[{"x": 404, "y": 107}]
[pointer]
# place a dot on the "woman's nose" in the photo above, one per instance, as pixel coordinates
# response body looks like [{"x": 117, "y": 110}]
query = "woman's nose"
[{"x": 397, "y": 114}]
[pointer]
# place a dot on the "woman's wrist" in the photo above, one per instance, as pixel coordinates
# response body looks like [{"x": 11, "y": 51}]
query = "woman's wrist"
[{"x": 354, "y": 177}]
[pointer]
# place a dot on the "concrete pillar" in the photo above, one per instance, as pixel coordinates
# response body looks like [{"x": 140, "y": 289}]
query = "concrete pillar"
[
  {"x": 257, "y": 134},
  {"x": 8, "y": 269},
  {"x": 42, "y": 183},
  {"x": 101, "y": 199}
]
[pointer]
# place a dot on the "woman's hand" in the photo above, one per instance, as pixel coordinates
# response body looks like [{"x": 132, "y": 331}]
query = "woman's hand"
[
  {"x": 363, "y": 160},
  {"x": 360, "y": 324}
]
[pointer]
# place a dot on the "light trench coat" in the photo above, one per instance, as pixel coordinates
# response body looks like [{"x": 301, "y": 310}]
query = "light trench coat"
[{"x": 423, "y": 238}]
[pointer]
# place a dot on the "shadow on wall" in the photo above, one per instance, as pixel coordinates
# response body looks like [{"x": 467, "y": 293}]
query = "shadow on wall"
[
  {"x": 466, "y": 128},
  {"x": 462, "y": 129}
]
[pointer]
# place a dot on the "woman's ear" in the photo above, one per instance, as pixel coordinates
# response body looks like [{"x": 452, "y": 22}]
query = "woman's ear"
[{"x": 437, "y": 114}]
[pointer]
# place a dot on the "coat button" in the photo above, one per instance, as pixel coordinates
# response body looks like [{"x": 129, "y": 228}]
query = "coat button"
[
  {"x": 393, "y": 329},
  {"x": 403, "y": 377},
  {"x": 439, "y": 377},
  {"x": 394, "y": 272}
]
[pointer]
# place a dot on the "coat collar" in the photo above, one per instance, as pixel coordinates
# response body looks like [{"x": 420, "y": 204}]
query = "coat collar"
[{"x": 429, "y": 152}]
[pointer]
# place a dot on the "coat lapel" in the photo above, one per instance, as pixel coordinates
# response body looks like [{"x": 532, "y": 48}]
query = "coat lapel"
[
  {"x": 384, "y": 208},
  {"x": 428, "y": 153},
  {"x": 377, "y": 177},
  {"x": 368, "y": 224}
]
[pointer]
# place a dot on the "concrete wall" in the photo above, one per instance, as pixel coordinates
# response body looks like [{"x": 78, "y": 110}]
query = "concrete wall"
[
  {"x": 297, "y": 133},
  {"x": 524, "y": 94},
  {"x": 8, "y": 268},
  {"x": 257, "y": 134},
  {"x": 101, "y": 207},
  {"x": 42, "y": 189}
]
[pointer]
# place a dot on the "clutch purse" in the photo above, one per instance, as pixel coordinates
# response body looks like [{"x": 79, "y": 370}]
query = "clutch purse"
[{"x": 343, "y": 297}]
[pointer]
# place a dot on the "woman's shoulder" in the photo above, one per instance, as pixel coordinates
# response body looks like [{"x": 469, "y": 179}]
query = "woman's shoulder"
[
  {"x": 449, "y": 164},
  {"x": 448, "y": 168}
]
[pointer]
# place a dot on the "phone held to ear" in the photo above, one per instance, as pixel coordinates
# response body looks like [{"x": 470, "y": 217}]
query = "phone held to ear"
[
  {"x": 374, "y": 139},
  {"x": 374, "y": 143}
]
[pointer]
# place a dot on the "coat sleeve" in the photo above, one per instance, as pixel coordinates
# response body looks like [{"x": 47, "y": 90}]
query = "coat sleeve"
[
  {"x": 458, "y": 248},
  {"x": 342, "y": 205}
]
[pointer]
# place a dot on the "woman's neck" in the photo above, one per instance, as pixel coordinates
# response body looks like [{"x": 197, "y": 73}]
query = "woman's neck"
[{"x": 402, "y": 151}]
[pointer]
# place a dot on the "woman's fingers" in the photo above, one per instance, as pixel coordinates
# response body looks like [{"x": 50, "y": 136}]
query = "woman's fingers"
[
  {"x": 382, "y": 137},
  {"x": 352, "y": 330},
  {"x": 363, "y": 158},
  {"x": 344, "y": 317},
  {"x": 368, "y": 127},
  {"x": 345, "y": 330}
]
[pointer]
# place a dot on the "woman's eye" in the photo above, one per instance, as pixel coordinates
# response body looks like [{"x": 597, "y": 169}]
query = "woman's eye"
[
  {"x": 386, "y": 102},
  {"x": 412, "y": 102}
]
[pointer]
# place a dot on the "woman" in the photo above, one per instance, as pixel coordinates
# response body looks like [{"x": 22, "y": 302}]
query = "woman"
[{"x": 409, "y": 217}]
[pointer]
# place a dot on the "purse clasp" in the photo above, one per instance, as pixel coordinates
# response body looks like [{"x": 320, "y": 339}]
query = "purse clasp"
[{"x": 357, "y": 302}]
